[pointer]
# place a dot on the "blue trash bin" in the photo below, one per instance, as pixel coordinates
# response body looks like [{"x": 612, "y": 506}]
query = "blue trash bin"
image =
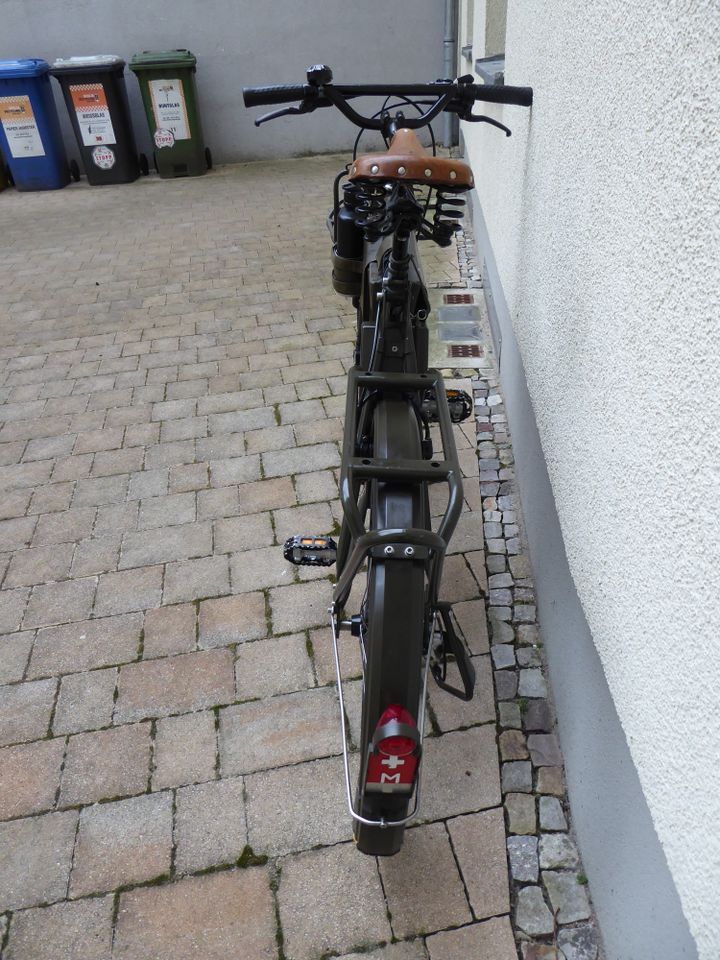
[{"x": 30, "y": 134}]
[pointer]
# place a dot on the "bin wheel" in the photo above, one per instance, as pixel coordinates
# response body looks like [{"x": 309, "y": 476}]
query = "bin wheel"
[
  {"x": 143, "y": 161},
  {"x": 208, "y": 158},
  {"x": 74, "y": 170}
]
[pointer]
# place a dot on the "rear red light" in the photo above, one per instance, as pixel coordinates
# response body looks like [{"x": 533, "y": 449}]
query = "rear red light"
[{"x": 392, "y": 765}]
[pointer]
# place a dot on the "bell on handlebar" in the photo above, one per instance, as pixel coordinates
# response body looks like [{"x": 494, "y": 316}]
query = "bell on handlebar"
[{"x": 319, "y": 74}]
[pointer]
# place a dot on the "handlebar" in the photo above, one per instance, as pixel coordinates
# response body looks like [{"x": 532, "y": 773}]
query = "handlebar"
[
  {"x": 455, "y": 96},
  {"x": 292, "y": 92}
]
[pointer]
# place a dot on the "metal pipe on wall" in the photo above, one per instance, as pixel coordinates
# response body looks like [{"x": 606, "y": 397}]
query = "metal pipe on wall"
[{"x": 451, "y": 126}]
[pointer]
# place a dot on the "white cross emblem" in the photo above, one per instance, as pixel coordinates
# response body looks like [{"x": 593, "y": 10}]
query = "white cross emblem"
[{"x": 393, "y": 762}]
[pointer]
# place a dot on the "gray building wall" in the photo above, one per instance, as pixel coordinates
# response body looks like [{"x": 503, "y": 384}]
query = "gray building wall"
[{"x": 240, "y": 44}]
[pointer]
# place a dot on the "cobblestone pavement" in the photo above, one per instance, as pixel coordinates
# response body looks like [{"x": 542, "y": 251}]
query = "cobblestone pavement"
[{"x": 173, "y": 366}]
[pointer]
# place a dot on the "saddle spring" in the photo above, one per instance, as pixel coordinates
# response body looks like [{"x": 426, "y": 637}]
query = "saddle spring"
[{"x": 448, "y": 211}]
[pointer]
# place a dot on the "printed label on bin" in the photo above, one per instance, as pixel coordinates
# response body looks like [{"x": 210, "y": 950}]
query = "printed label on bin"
[
  {"x": 93, "y": 113},
  {"x": 20, "y": 127},
  {"x": 163, "y": 138},
  {"x": 104, "y": 158},
  {"x": 168, "y": 101}
]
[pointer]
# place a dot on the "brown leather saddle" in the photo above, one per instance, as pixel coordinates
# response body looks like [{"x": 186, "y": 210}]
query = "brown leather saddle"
[{"x": 407, "y": 159}]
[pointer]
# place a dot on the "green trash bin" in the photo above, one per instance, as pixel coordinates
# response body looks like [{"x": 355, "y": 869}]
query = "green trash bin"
[{"x": 167, "y": 84}]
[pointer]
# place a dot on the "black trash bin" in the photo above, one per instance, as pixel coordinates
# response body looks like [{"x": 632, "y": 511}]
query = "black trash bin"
[{"x": 96, "y": 98}]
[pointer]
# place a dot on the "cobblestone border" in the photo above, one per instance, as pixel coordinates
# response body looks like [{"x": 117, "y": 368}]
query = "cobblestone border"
[{"x": 552, "y": 915}]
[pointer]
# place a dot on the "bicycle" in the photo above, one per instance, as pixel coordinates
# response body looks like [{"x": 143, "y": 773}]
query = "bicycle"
[{"x": 405, "y": 631}]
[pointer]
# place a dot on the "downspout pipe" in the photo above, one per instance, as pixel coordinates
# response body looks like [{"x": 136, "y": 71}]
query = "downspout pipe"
[{"x": 451, "y": 124}]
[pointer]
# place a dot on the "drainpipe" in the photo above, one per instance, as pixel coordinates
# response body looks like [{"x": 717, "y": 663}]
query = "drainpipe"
[{"x": 451, "y": 123}]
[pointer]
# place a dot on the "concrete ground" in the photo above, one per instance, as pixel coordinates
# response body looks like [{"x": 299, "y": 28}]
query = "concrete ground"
[{"x": 172, "y": 374}]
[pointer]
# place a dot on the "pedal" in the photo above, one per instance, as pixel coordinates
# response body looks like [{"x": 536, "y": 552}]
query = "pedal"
[
  {"x": 460, "y": 404},
  {"x": 452, "y": 645},
  {"x": 310, "y": 551}
]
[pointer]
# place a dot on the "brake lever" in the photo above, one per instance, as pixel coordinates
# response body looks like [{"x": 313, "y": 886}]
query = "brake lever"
[
  {"x": 307, "y": 106},
  {"x": 481, "y": 118}
]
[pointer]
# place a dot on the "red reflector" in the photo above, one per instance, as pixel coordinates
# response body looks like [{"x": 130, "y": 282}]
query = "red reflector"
[{"x": 392, "y": 767}]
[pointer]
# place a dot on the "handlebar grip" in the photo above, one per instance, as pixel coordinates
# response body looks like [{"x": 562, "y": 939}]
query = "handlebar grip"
[
  {"x": 498, "y": 93},
  {"x": 279, "y": 93}
]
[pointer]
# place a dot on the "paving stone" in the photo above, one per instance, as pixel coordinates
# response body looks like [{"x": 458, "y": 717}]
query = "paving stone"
[
  {"x": 568, "y": 897},
  {"x": 264, "y": 567},
  {"x": 520, "y": 808},
  {"x": 520, "y": 567},
  {"x": 318, "y": 486},
  {"x": 232, "y": 620},
  {"x": 283, "y": 805},
  {"x": 306, "y": 459},
  {"x": 506, "y": 684},
  {"x": 37, "y": 853},
  {"x": 39, "y": 565},
  {"x": 73, "y": 930},
  {"x": 479, "y": 844},
  {"x": 222, "y": 502},
  {"x": 29, "y": 777},
  {"x": 190, "y": 681},
  {"x": 517, "y": 776},
  {"x": 528, "y": 657},
  {"x": 86, "y": 645},
  {"x": 25, "y": 710},
  {"x": 538, "y": 716},
  {"x": 185, "y": 750},
  {"x": 60, "y": 602},
  {"x": 492, "y": 939},
  {"x": 503, "y": 655},
  {"x": 509, "y": 715},
  {"x": 194, "y": 579},
  {"x": 544, "y": 750},
  {"x": 552, "y": 816},
  {"x": 452, "y": 713},
  {"x": 177, "y": 508},
  {"x": 407, "y": 950},
  {"x": 209, "y": 825},
  {"x": 512, "y": 745},
  {"x": 324, "y": 658},
  {"x": 119, "y": 843},
  {"x": 216, "y": 917},
  {"x": 330, "y": 900},
  {"x": 98, "y": 555},
  {"x": 580, "y": 942},
  {"x": 523, "y": 857},
  {"x": 266, "y": 495},
  {"x": 170, "y": 543},
  {"x": 244, "y": 533},
  {"x": 557, "y": 850},
  {"x": 532, "y": 684},
  {"x": 249, "y": 732},
  {"x": 422, "y": 884},
  {"x": 470, "y": 616},
  {"x": 85, "y": 701},
  {"x": 129, "y": 590},
  {"x": 14, "y": 655},
  {"x": 16, "y": 533},
  {"x": 170, "y": 630},
  {"x": 299, "y": 606},
  {"x": 550, "y": 780},
  {"x": 532, "y": 915},
  {"x": 269, "y": 667},
  {"x": 188, "y": 476},
  {"x": 12, "y": 607},
  {"x": 461, "y": 773},
  {"x": 106, "y": 763}
]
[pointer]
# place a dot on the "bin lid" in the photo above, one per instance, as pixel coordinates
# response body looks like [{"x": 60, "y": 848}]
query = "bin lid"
[
  {"x": 152, "y": 59},
  {"x": 10, "y": 69},
  {"x": 97, "y": 62}
]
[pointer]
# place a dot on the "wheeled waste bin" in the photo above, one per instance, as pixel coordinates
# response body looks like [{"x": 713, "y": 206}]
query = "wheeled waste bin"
[
  {"x": 30, "y": 134},
  {"x": 167, "y": 84},
  {"x": 3, "y": 174},
  {"x": 96, "y": 98}
]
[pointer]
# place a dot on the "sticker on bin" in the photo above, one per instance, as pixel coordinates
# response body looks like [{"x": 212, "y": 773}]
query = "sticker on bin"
[
  {"x": 168, "y": 102},
  {"x": 163, "y": 138},
  {"x": 93, "y": 113},
  {"x": 20, "y": 127},
  {"x": 104, "y": 158}
]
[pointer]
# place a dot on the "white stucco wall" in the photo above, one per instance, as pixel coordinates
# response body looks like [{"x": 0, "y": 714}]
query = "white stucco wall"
[{"x": 603, "y": 213}]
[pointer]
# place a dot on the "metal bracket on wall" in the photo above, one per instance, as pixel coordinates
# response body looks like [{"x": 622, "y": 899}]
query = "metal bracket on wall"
[{"x": 491, "y": 69}]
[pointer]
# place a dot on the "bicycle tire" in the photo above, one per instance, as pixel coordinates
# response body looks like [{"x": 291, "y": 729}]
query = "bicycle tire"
[{"x": 395, "y": 618}]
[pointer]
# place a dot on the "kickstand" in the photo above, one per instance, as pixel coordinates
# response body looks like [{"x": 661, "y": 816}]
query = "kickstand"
[{"x": 452, "y": 644}]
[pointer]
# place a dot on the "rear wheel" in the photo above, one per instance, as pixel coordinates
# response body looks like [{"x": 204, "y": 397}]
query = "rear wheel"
[{"x": 393, "y": 622}]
